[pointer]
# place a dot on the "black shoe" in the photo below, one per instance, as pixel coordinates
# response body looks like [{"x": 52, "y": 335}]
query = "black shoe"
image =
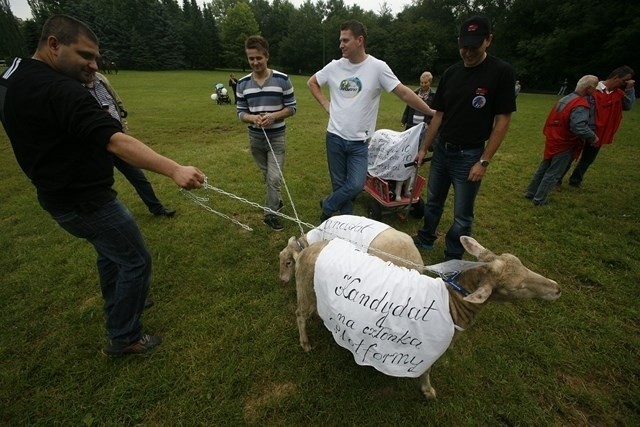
[
  {"x": 422, "y": 245},
  {"x": 148, "y": 303},
  {"x": 323, "y": 216},
  {"x": 273, "y": 222},
  {"x": 169, "y": 213},
  {"x": 144, "y": 344}
]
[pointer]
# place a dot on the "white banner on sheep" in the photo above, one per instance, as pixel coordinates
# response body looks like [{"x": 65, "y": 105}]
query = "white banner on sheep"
[
  {"x": 391, "y": 318},
  {"x": 390, "y": 150},
  {"x": 358, "y": 230}
]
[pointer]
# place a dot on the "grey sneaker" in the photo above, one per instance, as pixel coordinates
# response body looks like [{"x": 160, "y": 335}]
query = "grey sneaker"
[
  {"x": 143, "y": 345},
  {"x": 273, "y": 222}
]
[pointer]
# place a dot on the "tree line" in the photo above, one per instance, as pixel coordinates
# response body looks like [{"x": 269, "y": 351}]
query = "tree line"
[{"x": 545, "y": 40}]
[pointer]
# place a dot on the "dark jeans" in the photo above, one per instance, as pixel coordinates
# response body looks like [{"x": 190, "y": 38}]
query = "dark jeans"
[
  {"x": 589, "y": 154},
  {"x": 450, "y": 168},
  {"x": 141, "y": 184},
  {"x": 124, "y": 264}
]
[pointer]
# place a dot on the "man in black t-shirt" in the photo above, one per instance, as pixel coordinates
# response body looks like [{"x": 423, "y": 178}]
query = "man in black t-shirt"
[
  {"x": 473, "y": 103},
  {"x": 63, "y": 141}
]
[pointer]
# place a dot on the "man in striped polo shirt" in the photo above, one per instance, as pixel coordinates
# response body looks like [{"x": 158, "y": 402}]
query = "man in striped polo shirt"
[{"x": 265, "y": 98}]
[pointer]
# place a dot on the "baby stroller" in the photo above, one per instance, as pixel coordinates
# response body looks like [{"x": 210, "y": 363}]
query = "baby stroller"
[
  {"x": 221, "y": 95},
  {"x": 392, "y": 177}
]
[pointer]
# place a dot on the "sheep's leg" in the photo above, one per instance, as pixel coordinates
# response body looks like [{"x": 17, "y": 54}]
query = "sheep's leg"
[
  {"x": 306, "y": 307},
  {"x": 425, "y": 385},
  {"x": 408, "y": 187},
  {"x": 399, "y": 190},
  {"x": 301, "y": 318}
]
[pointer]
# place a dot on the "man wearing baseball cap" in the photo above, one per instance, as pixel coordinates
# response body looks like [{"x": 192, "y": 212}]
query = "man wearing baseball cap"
[{"x": 473, "y": 103}]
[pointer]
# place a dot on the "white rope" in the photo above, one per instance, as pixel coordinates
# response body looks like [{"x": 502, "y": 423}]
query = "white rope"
[
  {"x": 202, "y": 201},
  {"x": 284, "y": 182}
]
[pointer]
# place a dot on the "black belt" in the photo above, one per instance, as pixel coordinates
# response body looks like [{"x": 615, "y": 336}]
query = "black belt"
[{"x": 461, "y": 147}]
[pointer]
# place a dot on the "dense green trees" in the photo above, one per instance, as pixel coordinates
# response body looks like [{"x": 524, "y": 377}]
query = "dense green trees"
[
  {"x": 12, "y": 41},
  {"x": 545, "y": 40}
]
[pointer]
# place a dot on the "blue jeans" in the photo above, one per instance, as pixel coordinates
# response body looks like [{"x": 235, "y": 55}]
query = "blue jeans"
[
  {"x": 141, "y": 184},
  {"x": 547, "y": 175},
  {"x": 450, "y": 168},
  {"x": 347, "y": 162},
  {"x": 124, "y": 263},
  {"x": 267, "y": 163}
]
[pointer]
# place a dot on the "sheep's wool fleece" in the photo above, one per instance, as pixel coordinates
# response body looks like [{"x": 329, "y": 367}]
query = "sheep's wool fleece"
[
  {"x": 358, "y": 230},
  {"x": 389, "y": 317}
]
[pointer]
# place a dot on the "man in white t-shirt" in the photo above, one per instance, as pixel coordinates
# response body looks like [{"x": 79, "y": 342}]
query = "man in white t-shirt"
[{"x": 355, "y": 82}]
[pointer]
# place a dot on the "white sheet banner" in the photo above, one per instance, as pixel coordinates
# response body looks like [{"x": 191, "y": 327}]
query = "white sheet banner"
[
  {"x": 390, "y": 150},
  {"x": 358, "y": 230},
  {"x": 389, "y": 317}
]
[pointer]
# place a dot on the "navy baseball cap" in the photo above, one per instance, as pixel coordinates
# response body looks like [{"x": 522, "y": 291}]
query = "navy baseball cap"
[{"x": 473, "y": 31}]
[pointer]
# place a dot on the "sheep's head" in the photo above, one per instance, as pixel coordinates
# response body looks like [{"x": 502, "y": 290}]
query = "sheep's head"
[
  {"x": 505, "y": 278},
  {"x": 288, "y": 257}
]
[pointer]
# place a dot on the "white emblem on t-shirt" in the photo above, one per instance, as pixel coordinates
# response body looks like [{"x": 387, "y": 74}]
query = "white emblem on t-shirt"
[
  {"x": 350, "y": 87},
  {"x": 479, "y": 101}
]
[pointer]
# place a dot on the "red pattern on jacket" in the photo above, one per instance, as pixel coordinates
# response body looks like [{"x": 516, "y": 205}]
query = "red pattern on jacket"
[
  {"x": 608, "y": 114},
  {"x": 559, "y": 135}
]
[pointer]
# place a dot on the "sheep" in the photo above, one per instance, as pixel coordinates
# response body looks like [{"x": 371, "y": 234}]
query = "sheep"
[
  {"x": 404, "y": 188},
  {"x": 390, "y": 245},
  {"x": 497, "y": 278}
]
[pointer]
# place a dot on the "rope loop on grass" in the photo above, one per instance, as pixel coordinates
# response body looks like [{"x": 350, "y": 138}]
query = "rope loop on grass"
[{"x": 202, "y": 201}]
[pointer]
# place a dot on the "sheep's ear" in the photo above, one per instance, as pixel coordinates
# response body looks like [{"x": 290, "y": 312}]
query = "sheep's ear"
[
  {"x": 480, "y": 295},
  {"x": 292, "y": 242},
  {"x": 471, "y": 245}
]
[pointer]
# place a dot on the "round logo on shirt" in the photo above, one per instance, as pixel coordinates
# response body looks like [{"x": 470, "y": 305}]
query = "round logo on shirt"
[
  {"x": 479, "y": 101},
  {"x": 350, "y": 87}
]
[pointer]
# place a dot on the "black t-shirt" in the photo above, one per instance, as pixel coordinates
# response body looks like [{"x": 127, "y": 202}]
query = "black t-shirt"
[
  {"x": 59, "y": 134},
  {"x": 470, "y": 98}
]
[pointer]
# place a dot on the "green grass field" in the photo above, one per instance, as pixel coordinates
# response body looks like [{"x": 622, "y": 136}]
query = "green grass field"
[{"x": 231, "y": 354}]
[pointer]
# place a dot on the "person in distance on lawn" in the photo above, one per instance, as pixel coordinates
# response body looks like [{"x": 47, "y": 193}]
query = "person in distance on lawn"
[
  {"x": 566, "y": 131},
  {"x": 411, "y": 117},
  {"x": 107, "y": 97},
  {"x": 611, "y": 98},
  {"x": 64, "y": 142}
]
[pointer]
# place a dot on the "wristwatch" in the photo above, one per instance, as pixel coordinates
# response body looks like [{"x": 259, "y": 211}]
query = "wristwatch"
[{"x": 484, "y": 163}]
